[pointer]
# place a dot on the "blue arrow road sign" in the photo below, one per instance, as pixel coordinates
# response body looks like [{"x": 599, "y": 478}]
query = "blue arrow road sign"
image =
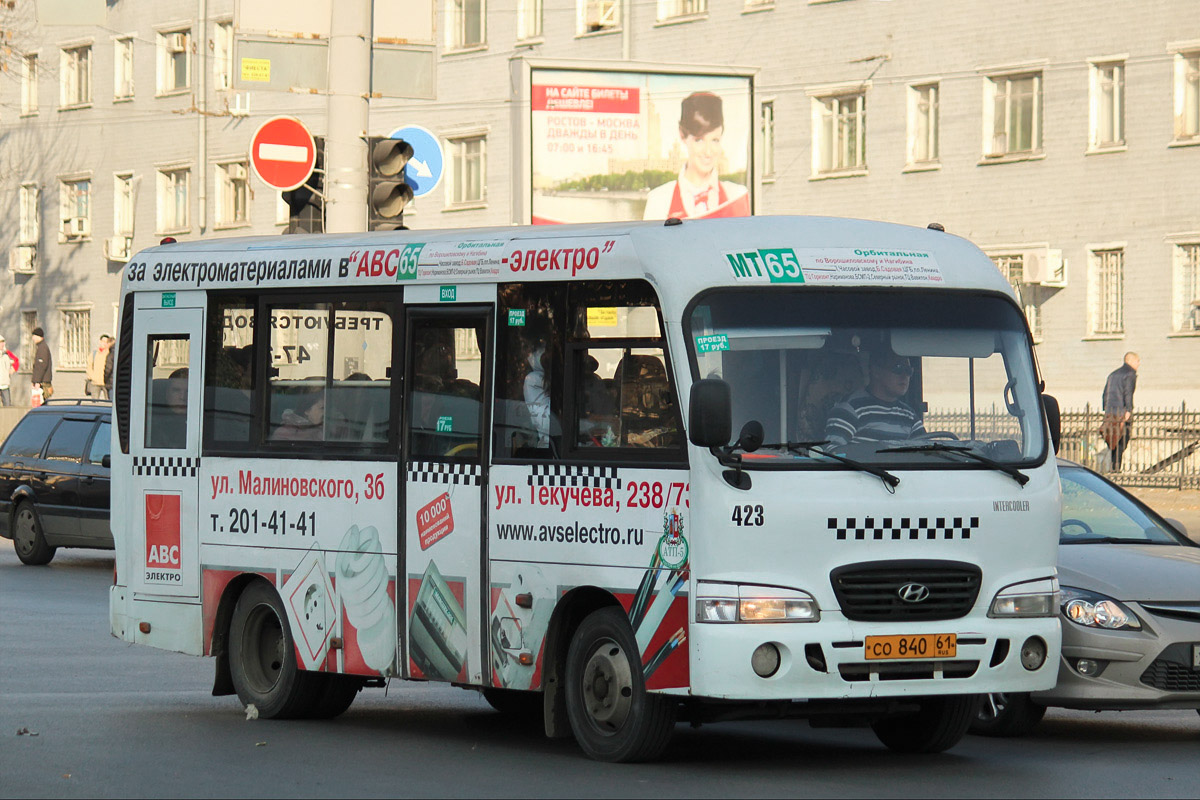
[{"x": 427, "y": 165}]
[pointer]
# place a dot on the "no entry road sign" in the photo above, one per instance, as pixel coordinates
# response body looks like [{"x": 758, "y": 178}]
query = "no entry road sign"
[{"x": 282, "y": 153}]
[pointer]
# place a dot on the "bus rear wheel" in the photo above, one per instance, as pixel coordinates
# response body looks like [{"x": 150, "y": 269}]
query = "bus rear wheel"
[
  {"x": 936, "y": 726},
  {"x": 262, "y": 657},
  {"x": 612, "y": 715}
]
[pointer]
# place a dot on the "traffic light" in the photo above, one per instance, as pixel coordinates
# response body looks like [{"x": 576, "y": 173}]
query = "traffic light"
[
  {"x": 306, "y": 204},
  {"x": 387, "y": 193}
]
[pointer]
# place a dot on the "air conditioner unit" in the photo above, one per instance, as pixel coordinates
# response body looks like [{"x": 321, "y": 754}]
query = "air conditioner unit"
[
  {"x": 75, "y": 227},
  {"x": 118, "y": 248},
  {"x": 1046, "y": 267},
  {"x": 23, "y": 259},
  {"x": 237, "y": 172},
  {"x": 177, "y": 42}
]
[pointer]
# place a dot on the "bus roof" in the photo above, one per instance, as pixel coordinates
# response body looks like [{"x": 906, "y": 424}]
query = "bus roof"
[{"x": 681, "y": 258}]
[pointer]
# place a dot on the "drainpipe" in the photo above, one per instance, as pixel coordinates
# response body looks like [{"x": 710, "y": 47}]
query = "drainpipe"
[
  {"x": 626, "y": 31},
  {"x": 202, "y": 107}
]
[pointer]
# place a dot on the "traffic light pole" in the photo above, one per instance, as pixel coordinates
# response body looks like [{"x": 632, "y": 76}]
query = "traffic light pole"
[{"x": 349, "y": 68}]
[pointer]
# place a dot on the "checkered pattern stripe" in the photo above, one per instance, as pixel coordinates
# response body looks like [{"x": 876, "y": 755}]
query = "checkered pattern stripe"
[
  {"x": 566, "y": 475},
  {"x": 441, "y": 472},
  {"x": 903, "y": 528},
  {"x": 166, "y": 466}
]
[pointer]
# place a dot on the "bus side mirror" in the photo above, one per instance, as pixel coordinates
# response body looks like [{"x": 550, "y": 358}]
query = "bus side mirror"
[
  {"x": 710, "y": 413},
  {"x": 1053, "y": 419}
]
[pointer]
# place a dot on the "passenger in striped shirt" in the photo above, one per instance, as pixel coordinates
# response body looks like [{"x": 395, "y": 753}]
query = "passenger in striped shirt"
[{"x": 876, "y": 413}]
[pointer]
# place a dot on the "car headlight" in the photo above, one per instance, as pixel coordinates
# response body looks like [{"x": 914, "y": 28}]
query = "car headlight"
[
  {"x": 1094, "y": 610},
  {"x": 754, "y": 604},
  {"x": 1027, "y": 599}
]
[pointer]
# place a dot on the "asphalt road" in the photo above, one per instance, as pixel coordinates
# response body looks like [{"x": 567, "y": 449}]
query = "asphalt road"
[{"x": 115, "y": 720}]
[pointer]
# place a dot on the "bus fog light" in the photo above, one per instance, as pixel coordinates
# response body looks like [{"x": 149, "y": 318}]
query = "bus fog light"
[
  {"x": 765, "y": 660},
  {"x": 1033, "y": 653}
]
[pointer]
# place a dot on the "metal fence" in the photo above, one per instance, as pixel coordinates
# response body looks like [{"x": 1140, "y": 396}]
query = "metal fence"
[{"x": 1163, "y": 449}]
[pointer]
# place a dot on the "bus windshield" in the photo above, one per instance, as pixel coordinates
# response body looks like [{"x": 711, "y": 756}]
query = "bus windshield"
[{"x": 903, "y": 378}]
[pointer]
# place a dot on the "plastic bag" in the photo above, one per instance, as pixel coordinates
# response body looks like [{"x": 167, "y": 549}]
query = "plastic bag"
[{"x": 36, "y": 397}]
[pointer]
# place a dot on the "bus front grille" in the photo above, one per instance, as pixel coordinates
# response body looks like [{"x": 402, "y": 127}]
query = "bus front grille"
[{"x": 901, "y": 591}]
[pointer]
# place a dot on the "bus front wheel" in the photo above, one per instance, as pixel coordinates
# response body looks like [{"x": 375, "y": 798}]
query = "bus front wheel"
[
  {"x": 612, "y": 715},
  {"x": 262, "y": 657},
  {"x": 937, "y": 725}
]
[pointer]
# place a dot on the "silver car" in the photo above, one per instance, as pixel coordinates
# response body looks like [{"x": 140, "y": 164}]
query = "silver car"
[{"x": 1130, "y": 610}]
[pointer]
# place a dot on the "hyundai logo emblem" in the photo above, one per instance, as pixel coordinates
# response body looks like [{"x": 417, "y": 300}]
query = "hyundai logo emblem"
[{"x": 914, "y": 593}]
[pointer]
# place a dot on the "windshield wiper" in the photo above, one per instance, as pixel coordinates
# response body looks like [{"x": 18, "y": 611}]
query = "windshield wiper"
[
  {"x": 801, "y": 448},
  {"x": 1110, "y": 540},
  {"x": 938, "y": 447}
]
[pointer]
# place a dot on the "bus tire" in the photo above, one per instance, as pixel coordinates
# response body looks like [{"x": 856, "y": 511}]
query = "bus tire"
[
  {"x": 937, "y": 726},
  {"x": 262, "y": 657},
  {"x": 333, "y": 695},
  {"x": 1007, "y": 714},
  {"x": 612, "y": 715},
  {"x": 28, "y": 539},
  {"x": 515, "y": 703}
]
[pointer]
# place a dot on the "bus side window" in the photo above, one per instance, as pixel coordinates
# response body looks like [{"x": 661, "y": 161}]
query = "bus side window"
[
  {"x": 167, "y": 392},
  {"x": 229, "y": 380},
  {"x": 446, "y": 401},
  {"x": 529, "y": 371}
]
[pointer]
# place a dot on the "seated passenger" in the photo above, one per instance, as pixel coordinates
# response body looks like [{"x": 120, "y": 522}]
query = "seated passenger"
[
  {"x": 876, "y": 413},
  {"x": 304, "y": 422},
  {"x": 830, "y": 379},
  {"x": 168, "y": 420}
]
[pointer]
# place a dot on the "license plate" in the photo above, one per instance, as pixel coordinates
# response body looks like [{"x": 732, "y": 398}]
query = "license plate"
[
  {"x": 1196, "y": 656},
  {"x": 924, "y": 645}
]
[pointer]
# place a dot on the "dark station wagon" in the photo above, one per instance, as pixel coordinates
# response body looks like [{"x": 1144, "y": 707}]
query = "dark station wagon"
[{"x": 54, "y": 480}]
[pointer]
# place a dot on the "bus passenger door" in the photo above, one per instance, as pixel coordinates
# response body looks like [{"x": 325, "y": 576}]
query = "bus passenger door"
[
  {"x": 164, "y": 441},
  {"x": 446, "y": 392}
]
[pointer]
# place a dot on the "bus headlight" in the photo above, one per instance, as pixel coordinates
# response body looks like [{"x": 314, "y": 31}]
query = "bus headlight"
[
  {"x": 754, "y": 604},
  {"x": 1028, "y": 599}
]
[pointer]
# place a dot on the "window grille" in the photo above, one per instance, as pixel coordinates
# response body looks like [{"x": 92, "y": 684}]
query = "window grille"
[
  {"x": 1110, "y": 288},
  {"x": 75, "y": 334},
  {"x": 1188, "y": 256}
]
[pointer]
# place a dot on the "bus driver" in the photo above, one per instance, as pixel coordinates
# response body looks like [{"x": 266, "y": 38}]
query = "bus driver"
[{"x": 877, "y": 413}]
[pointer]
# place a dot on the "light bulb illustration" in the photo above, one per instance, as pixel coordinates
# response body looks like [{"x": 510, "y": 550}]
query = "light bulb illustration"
[{"x": 362, "y": 582}]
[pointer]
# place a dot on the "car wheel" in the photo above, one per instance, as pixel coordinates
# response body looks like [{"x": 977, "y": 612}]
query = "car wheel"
[
  {"x": 262, "y": 657},
  {"x": 612, "y": 715},
  {"x": 937, "y": 725},
  {"x": 515, "y": 702},
  {"x": 28, "y": 539},
  {"x": 1013, "y": 714}
]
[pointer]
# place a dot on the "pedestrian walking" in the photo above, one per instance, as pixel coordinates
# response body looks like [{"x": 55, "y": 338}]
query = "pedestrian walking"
[
  {"x": 43, "y": 369},
  {"x": 9, "y": 363},
  {"x": 1118, "y": 407},
  {"x": 108, "y": 368},
  {"x": 95, "y": 384}
]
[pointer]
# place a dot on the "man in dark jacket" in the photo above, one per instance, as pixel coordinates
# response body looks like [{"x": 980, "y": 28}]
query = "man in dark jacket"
[
  {"x": 43, "y": 365},
  {"x": 1118, "y": 404}
]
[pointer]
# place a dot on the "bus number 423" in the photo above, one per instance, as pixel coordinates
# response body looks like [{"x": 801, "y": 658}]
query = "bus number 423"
[{"x": 748, "y": 516}]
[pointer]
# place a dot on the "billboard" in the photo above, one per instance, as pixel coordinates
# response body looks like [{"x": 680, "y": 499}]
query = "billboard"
[{"x": 611, "y": 146}]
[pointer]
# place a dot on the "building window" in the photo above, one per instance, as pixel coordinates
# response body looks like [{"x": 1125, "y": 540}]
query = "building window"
[
  {"x": 1108, "y": 291},
  {"x": 595, "y": 16},
  {"x": 923, "y": 124},
  {"x": 768, "y": 139},
  {"x": 29, "y": 321},
  {"x": 839, "y": 125},
  {"x": 529, "y": 19},
  {"x": 123, "y": 204},
  {"x": 123, "y": 68},
  {"x": 174, "y": 61},
  {"x": 223, "y": 56},
  {"x": 29, "y": 85},
  {"x": 75, "y": 335},
  {"x": 31, "y": 220},
  {"x": 468, "y": 161},
  {"x": 75, "y": 201},
  {"x": 233, "y": 194},
  {"x": 1187, "y": 282},
  {"x": 465, "y": 26},
  {"x": 1107, "y": 106},
  {"x": 75, "y": 76},
  {"x": 173, "y": 200},
  {"x": 1012, "y": 113},
  {"x": 669, "y": 9},
  {"x": 1012, "y": 267},
  {"x": 1187, "y": 97}
]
